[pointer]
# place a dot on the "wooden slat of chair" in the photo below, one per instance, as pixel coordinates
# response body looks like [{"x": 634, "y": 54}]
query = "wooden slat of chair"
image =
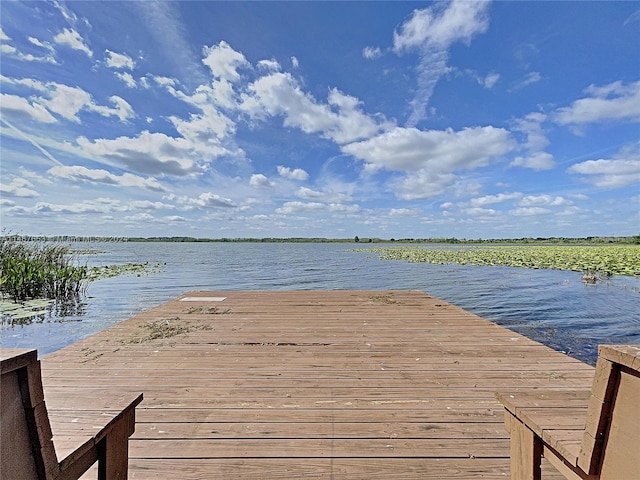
[
  {"x": 26, "y": 438},
  {"x": 598, "y": 439}
]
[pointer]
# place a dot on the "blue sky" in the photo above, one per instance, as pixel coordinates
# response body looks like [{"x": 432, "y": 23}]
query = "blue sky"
[{"x": 320, "y": 119}]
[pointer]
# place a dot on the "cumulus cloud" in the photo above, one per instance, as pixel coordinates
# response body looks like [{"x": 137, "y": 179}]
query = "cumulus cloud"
[
  {"x": 224, "y": 61},
  {"x": 536, "y": 161},
  {"x": 82, "y": 174},
  {"x": 621, "y": 171},
  {"x": 16, "y": 107},
  {"x": 72, "y": 39},
  {"x": 544, "y": 200},
  {"x": 615, "y": 101},
  {"x": 65, "y": 101},
  {"x": 430, "y": 158},
  {"x": 536, "y": 140},
  {"x": 431, "y": 32},
  {"x": 411, "y": 149},
  {"x": 298, "y": 207},
  {"x": 205, "y": 200},
  {"x": 18, "y": 187},
  {"x": 127, "y": 78},
  {"x": 147, "y": 153},
  {"x": 119, "y": 60},
  {"x": 279, "y": 94},
  {"x": 259, "y": 180},
  {"x": 327, "y": 197},
  {"x": 99, "y": 205},
  {"x": 3, "y": 36},
  {"x": 270, "y": 65},
  {"x": 494, "y": 199},
  {"x": 292, "y": 174},
  {"x": 529, "y": 211}
]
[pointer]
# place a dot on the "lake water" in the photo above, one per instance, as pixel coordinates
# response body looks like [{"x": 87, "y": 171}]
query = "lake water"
[{"x": 553, "y": 307}]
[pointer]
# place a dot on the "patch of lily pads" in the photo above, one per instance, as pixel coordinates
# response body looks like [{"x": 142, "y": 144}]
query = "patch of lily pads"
[
  {"x": 110, "y": 271},
  {"x": 604, "y": 260}
]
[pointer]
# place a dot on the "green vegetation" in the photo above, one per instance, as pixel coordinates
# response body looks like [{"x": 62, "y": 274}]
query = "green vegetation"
[
  {"x": 39, "y": 278},
  {"x": 39, "y": 270},
  {"x": 137, "y": 269},
  {"x": 606, "y": 260}
]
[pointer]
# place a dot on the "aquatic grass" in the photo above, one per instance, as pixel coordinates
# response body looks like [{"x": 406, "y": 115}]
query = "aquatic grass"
[
  {"x": 605, "y": 260},
  {"x": 30, "y": 270}
]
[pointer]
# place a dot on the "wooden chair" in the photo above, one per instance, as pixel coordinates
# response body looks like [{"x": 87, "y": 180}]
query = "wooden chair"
[
  {"x": 584, "y": 435},
  {"x": 27, "y": 443}
]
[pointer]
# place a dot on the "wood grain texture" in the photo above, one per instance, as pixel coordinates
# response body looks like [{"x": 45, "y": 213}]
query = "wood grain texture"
[{"x": 319, "y": 384}]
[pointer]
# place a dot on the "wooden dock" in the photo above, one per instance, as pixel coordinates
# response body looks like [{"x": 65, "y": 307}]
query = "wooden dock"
[{"x": 319, "y": 384}]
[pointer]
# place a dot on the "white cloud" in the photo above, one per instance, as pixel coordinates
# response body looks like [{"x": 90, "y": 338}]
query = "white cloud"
[
  {"x": 82, "y": 174},
  {"x": 431, "y": 31},
  {"x": 127, "y": 78},
  {"x": 536, "y": 140},
  {"x": 68, "y": 101},
  {"x": 148, "y": 153},
  {"x": 3, "y": 36},
  {"x": 121, "y": 109},
  {"x": 403, "y": 212},
  {"x": 430, "y": 158},
  {"x": 298, "y": 207},
  {"x": 442, "y": 25},
  {"x": 279, "y": 94},
  {"x": 536, "y": 161},
  {"x": 410, "y": 149},
  {"x": 294, "y": 62},
  {"x": 270, "y": 65},
  {"x": 480, "y": 212},
  {"x": 621, "y": 171},
  {"x": 15, "y": 107},
  {"x": 72, "y": 39},
  {"x": 12, "y": 51},
  {"x": 422, "y": 184},
  {"x": 295, "y": 174},
  {"x": 327, "y": 197},
  {"x": 149, "y": 205},
  {"x": 529, "y": 79},
  {"x": 490, "y": 80},
  {"x": 545, "y": 200},
  {"x": 493, "y": 199},
  {"x": 615, "y": 101},
  {"x": 119, "y": 60},
  {"x": 529, "y": 211},
  {"x": 18, "y": 187},
  {"x": 531, "y": 126},
  {"x": 258, "y": 180},
  {"x": 224, "y": 61},
  {"x": 210, "y": 200},
  {"x": 99, "y": 205},
  {"x": 371, "y": 53},
  {"x": 163, "y": 20}
]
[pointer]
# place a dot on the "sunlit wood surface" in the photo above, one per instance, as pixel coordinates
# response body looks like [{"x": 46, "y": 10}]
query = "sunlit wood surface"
[{"x": 324, "y": 384}]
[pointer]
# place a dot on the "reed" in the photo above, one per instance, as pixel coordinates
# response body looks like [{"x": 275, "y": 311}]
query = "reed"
[{"x": 31, "y": 270}]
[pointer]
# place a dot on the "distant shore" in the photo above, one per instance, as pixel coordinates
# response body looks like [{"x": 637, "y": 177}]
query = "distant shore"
[{"x": 596, "y": 240}]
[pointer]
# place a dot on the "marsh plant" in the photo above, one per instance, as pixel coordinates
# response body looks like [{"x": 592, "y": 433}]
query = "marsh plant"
[{"x": 31, "y": 270}]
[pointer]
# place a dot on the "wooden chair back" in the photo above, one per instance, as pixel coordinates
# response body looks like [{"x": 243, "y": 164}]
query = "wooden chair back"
[
  {"x": 611, "y": 442},
  {"x": 26, "y": 446}
]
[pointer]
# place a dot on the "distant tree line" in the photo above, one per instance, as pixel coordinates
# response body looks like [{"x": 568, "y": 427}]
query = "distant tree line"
[{"x": 442, "y": 240}]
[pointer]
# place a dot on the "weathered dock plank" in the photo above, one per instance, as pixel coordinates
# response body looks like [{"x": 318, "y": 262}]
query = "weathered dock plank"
[{"x": 319, "y": 384}]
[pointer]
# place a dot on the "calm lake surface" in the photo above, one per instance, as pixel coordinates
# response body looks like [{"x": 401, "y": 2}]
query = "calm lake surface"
[{"x": 553, "y": 307}]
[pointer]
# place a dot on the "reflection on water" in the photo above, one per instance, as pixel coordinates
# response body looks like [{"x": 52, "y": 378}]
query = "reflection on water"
[{"x": 552, "y": 307}]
